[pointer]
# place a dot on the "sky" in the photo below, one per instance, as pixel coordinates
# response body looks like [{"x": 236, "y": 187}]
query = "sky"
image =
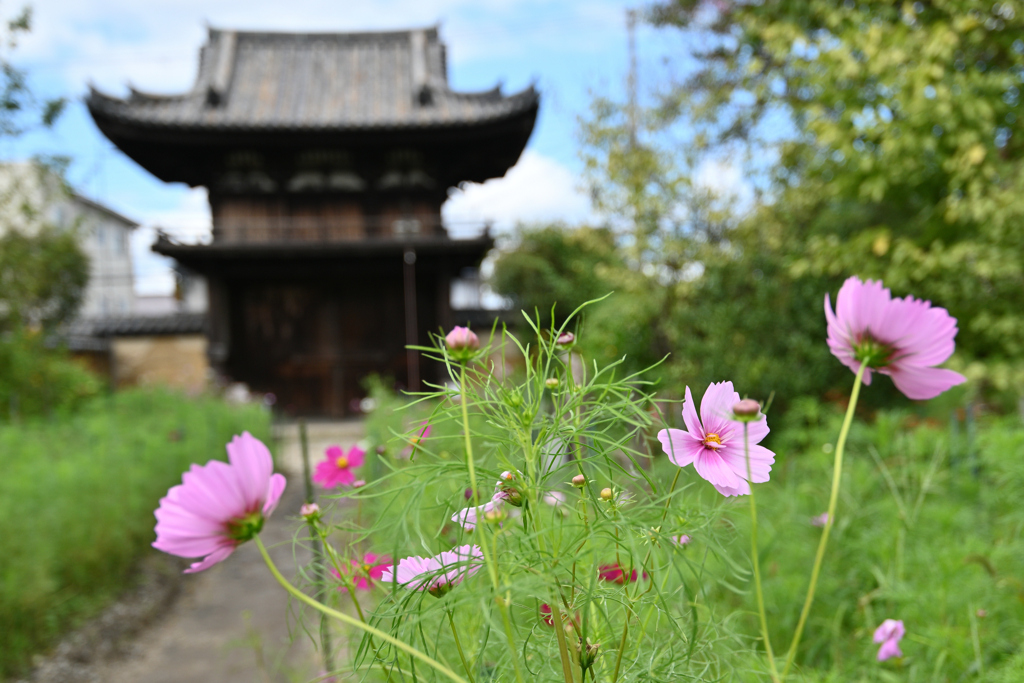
[{"x": 569, "y": 49}]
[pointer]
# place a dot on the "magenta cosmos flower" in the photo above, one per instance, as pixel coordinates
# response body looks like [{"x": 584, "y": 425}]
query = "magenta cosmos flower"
[
  {"x": 615, "y": 574},
  {"x": 438, "y": 574},
  {"x": 714, "y": 443},
  {"x": 889, "y": 635},
  {"x": 902, "y": 338},
  {"x": 367, "y": 571},
  {"x": 218, "y": 506},
  {"x": 336, "y": 469}
]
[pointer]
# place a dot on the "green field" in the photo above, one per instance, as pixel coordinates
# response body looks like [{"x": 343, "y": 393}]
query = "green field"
[{"x": 77, "y": 496}]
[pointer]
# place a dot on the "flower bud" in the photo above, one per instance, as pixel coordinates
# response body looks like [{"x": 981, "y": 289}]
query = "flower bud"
[
  {"x": 606, "y": 494},
  {"x": 359, "y": 483},
  {"x": 462, "y": 343},
  {"x": 310, "y": 511},
  {"x": 495, "y": 516},
  {"x": 566, "y": 339},
  {"x": 588, "y": 654},
  {"x": 551, "y": 382},
  {"x": 579, "y": 481},
  {"x": 469, "y": 493},
  {"x": 746, "y": 410}
]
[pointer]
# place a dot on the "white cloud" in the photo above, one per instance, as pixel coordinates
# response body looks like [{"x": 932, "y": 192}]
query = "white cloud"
[
  {"x": 537, "y": 189},
  {"x": 189, "y": 221}
]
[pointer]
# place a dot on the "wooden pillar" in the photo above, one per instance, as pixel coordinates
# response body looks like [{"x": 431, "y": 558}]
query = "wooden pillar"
[{"x": 412, "y": 357}]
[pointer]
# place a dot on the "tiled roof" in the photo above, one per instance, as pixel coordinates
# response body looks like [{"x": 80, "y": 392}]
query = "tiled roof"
[
  {"x": 317, "y": 81},
  {"x": 138, "y": 325}
]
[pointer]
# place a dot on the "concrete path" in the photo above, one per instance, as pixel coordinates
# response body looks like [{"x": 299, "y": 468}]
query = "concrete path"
[{"x": 230, "y": 624}]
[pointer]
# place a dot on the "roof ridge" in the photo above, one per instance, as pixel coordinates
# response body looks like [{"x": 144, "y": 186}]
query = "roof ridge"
[{"x": 394, "y": 34}]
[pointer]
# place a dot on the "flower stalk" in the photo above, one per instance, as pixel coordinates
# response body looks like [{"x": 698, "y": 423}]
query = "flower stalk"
[
  {"x": 757, "y": 564},
  {"x": 346, "y": 619},
  {"x": 837, "y": 475}
]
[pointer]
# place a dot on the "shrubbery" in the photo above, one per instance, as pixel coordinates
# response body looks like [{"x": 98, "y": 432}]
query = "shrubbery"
[{"x": 76, "y": 501}]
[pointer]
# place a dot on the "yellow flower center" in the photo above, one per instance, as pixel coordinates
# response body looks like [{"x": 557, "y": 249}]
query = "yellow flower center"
[
  {"x": 367, "y": 568},
  {"x": 341, "y": 462},
  {"x": 414, "y": 440},
  {"x": 712, "y": 438}
]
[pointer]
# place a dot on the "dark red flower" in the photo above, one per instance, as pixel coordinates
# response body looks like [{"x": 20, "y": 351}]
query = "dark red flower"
[{"x": 614, "y": 573}]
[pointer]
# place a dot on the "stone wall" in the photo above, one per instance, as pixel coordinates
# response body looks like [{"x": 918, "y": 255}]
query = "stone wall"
[{"x": 175, "y": 361}]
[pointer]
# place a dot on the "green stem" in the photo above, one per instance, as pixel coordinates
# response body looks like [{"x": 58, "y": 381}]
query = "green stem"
[
  {"x": 563, "y": 651},
  {"x": 622, "y": 644},
  {"x": 756, "y": 560},
  {"x": 837, "y": 473},
  {"x": 346, "y": 619},
  {"x": 458, "y": 646},
  {"x": 318, "y": 550},
  {"x": 482, "y": 527}
]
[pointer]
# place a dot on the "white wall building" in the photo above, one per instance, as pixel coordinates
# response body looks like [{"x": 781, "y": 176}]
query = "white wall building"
[{"x": 32, "y": 197}]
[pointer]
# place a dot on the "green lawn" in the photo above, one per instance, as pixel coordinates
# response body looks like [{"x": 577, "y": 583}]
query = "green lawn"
[{"x": 77, "y": 496}]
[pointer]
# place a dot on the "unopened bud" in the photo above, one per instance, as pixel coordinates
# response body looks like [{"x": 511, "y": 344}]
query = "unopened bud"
[
  {"x": 310, "y": 511},
  {"x": 495, "y": 516},
  {"x": 606, "y": 494},
  {"x": 566, "y": 339},
  {"x": 746, "y": 410},
  {"x": 587, "y": 654},
  {"x": 462, "y": 343},
  {"x": 579, "y": 481},
  {"x": 359, "y": 483},
  {"x": 551, "y": 382}
]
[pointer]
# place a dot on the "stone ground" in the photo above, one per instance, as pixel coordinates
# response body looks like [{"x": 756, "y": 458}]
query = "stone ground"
[{"x": 227, "y": 624}]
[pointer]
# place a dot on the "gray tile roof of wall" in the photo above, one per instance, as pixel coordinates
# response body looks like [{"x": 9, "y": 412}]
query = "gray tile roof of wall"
[
  {"x": 138, "y": 325},
  {"x": 317, "y": 81}
]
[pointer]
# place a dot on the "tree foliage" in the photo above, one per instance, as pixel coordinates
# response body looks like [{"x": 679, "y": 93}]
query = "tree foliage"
[{"x": 904, "y": 158}]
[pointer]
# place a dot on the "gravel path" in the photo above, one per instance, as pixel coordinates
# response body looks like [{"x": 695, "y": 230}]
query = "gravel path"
[{"x": 229, "y": 623}]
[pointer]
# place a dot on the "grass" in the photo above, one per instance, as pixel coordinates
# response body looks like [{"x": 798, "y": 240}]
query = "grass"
[
  {"x": 77, "y": 496},
  {"x": 928, "y": 531}
]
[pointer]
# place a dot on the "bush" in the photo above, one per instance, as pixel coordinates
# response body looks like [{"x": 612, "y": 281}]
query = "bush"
[{"x": 76, "y": 503}]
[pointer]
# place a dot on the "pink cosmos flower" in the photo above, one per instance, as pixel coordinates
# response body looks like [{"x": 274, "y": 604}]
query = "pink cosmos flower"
[
  {"x": 370, "y": 569},
  {"x": 336, "y": 468},
  {"x": 615, "y": 573},
  {"x": 820, "y": 520},
  {"x": 218, "y": 506},
  {"x": 903, "y": 338},
  {"x": 438, "y": 574},
  {"x": 470, "y": 517},
  {"x": 889, "y": 635},
  {"x": 505, "y": 494},
  {"x": 714, "y": 443}
]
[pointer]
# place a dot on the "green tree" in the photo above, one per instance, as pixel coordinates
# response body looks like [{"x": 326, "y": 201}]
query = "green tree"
[
  {"x": 551, "y": 265},
  {"x": 899, "y": 151}
]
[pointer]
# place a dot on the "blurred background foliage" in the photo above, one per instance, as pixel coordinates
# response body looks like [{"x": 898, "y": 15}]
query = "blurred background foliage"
[
  {"x": 43, "y": 270},
  {"x": 877, "y": 139}
]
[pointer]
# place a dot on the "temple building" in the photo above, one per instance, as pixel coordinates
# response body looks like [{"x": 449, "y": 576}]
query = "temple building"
[{"x": 327, "y": 157}]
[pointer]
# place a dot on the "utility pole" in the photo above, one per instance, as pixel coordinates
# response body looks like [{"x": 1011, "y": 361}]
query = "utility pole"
[{"x": 631, "y": 78}]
